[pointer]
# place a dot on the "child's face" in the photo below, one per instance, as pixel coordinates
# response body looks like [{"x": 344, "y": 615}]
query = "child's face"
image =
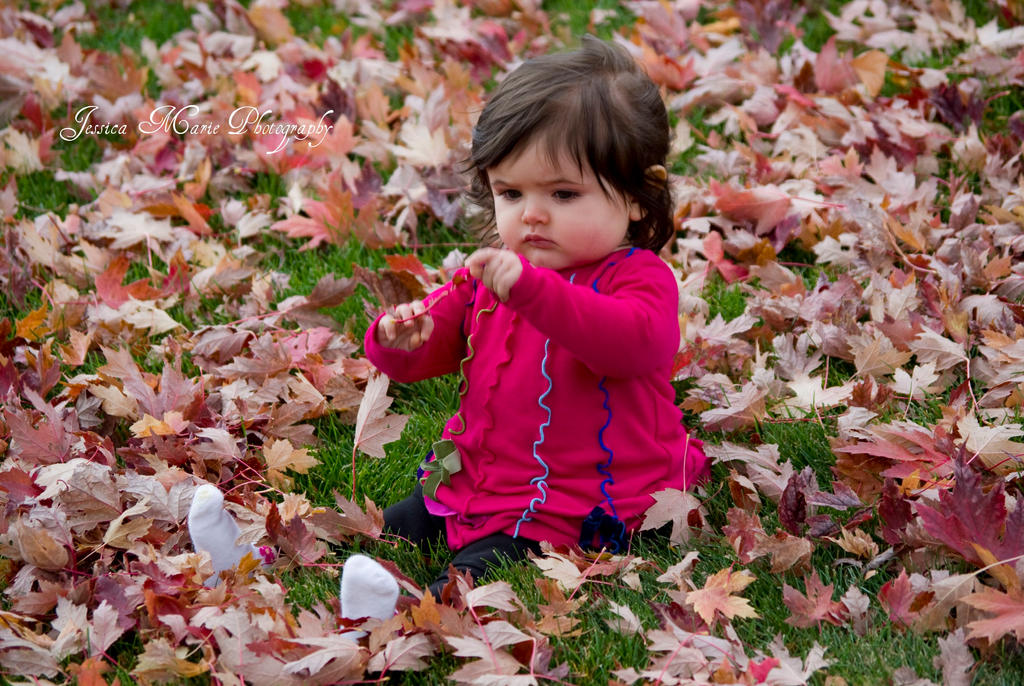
[{"x": 554, "y": 215}]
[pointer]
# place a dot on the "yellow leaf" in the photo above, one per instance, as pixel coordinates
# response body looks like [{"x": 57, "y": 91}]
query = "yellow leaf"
[
  {"x": 151, "y": 426},
  {"x": 280, "y": 456},
  {"x": 1002, "y": 571},
  {"x": 857, "y": 542},
  {"x": 115, "y": 402},
  {"x": 271, "y": 24},
  {"x": 33, "y": 326},
  {"x": 123, "y": 533},
  {"x": 717, "y": 596},
  {"x": 870, "y": 68}
]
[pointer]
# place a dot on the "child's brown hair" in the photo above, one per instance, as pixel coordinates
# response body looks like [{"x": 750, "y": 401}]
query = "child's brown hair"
[{"x": 597, "y": 105}]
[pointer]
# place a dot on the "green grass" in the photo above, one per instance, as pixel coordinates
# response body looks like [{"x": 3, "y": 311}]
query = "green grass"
[
  {"x": 578, "y": 20},
  {"x": 120, "y": 27},
  {"x": 727, "y": 300},
  {"x": 40, "y": 192}
]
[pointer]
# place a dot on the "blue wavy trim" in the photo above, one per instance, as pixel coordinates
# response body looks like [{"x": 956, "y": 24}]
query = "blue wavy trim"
[
  {"x": 539, "y": 481},
  {"x": 605, "y": 468}
]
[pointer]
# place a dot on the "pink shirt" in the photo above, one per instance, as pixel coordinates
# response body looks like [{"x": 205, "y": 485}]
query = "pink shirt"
[{"x": 567, "y": 403}]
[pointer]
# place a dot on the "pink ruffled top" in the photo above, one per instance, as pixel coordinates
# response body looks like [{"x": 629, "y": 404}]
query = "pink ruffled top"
[{"x": 566, "y": 403}]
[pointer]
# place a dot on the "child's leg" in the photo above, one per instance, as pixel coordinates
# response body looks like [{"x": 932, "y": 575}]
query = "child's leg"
[
  {"x": 478, "y": 556},
  {"x": 410, "y": 519}
]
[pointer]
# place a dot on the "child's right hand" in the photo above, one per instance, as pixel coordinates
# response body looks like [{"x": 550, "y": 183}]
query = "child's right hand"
[{"x": 407, "y": 328}]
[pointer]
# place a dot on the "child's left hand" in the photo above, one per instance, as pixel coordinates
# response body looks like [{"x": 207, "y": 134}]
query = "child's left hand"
[{"x": 498, "y": 269}]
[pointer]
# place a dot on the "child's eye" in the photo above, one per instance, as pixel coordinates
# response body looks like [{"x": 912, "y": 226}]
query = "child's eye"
[
  {"x": 565, "y": 195},
  {"x": 509, "y": 194}
]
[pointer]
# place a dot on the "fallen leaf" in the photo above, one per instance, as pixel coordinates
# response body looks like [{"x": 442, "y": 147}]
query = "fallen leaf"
[
  {"x": 1006, "y": 610},
  {"x": 717, "y": 597},
  {"x": 815, "y": 607},
  {"x": 281, "y": 456},
  {"x": 375, "y": 427}
]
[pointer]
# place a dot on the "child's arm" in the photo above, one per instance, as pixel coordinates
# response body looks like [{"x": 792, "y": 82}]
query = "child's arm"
[
  {"x": 629, "y": 329},
  {"x": 420, "y": 340}
]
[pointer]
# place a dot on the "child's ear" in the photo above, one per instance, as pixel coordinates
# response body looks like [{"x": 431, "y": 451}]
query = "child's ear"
[{"x": 636, "y": 212}]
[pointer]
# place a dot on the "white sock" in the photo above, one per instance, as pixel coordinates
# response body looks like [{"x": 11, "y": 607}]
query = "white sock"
[
  {"x": 215, "y": 532},
  {"x": 367, "y": 590}
]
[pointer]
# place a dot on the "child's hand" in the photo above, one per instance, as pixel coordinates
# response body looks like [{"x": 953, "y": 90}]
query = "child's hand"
[
  {"x": 498, "y": 269},
  {"x": 407, "y": 328}
]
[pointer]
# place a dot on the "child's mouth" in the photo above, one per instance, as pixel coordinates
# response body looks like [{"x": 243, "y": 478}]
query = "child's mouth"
[{"x": 538, "y": 241}]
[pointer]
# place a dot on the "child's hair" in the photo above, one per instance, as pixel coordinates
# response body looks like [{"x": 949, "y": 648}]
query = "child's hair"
[{"x": 597, "y": 105}]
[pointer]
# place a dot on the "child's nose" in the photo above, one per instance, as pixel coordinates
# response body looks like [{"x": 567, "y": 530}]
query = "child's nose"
[{"x": 534, "y": 212}]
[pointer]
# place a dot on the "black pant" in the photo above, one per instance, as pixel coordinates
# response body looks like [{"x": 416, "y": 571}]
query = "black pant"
[{"x": 410, "y": 519}]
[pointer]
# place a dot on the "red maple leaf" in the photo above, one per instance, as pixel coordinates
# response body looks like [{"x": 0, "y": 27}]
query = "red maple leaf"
[
  {"x": 903, "y": 603},
  {"x": 969, "y": 518},
  {"x": 815, "y": 607},
  {"x": 730, "y": 271},
  {"x": 111, "y": 291}
]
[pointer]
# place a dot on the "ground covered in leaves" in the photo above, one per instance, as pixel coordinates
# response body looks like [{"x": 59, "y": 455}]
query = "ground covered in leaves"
[{"x": 185, "y": 189}]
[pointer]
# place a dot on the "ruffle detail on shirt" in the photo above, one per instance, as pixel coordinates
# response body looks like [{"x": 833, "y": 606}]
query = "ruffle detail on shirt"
[{"x": 464, "y": 381}]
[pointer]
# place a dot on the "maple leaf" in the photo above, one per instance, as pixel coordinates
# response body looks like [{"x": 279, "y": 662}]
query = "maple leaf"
[
  {"x": 404, "y": 653},
  {"x": 764, "y": 206},
  {"x": 334, "y": 658},
  {"x": 293, "y": 537},
  {"x": 954, "y": 659},
  {"x": 717, "y": 597},
  {"x": 105, "y": 628},
  {"x": 625, "y": 621},
  {"x": 37, "y": 546},
  {"x": 930, "y": 347},
  {"x": 375, "y": 427},
  {"x": 793, "y": 503},
  {"x": 348, "y": 519},
  {"x": 161, "y": 661},
  {"x": 970, "y": 519},
  {"x": 121, "y": 533},
  {"x": 498, "y": 595},
  {"x": 328, "y": 292},
  {"x": 561, "y": 569},
  {"x": 744, "y": 533},
  {"x": 730, "y": 271},
  {"x": 902, "y": 601},
  {"x": 280, "y": 456},
  {"x": 815, "y": 607},
  {"x": 787, "y": 551},
  {"x": 1007, "y": 610},
  {"x": 681, "y": 508},
  {"x": 44, "y": 444},
  {"x": 20, "y": 654}
]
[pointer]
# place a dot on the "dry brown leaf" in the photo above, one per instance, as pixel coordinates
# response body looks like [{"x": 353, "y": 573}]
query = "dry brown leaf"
[{"x": 375, "y": 427}]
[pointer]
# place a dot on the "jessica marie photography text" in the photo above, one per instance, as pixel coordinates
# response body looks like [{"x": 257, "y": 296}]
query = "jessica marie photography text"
[{"x": 179, "y": 120}]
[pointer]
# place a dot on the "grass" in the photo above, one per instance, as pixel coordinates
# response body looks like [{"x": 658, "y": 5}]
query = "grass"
[{"x": 119, "y": 27}]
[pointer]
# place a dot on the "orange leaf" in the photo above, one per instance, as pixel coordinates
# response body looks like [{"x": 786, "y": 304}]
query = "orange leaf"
[
  {"x": 717, "y": 597},
  {"x": 764, "y": 206},
  {"x": 1008, "y": 611},
  {"x": 33, "y": 327},
  {"x": 870, "y": 69}
]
